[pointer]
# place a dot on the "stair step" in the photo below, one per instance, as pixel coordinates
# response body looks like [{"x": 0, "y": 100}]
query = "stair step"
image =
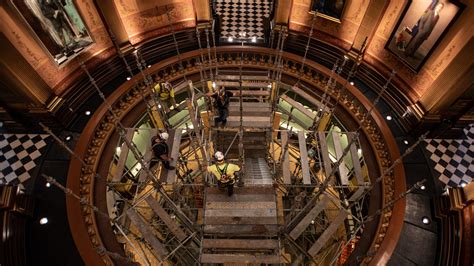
[
  {"x": 257, "y": 244},
  {"x": 236, "y": 229},
  {"x": 240, "y": 258},
  {"x": 258, "y": 182},
  {"x": 240, "y": 205},
  {"x": 224, "y": 220},
  {"x": 240, "y": 213}
]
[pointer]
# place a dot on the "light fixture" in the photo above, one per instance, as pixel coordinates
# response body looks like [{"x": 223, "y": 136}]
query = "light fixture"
[
  {"x": 269, "y": 85},
  {"x": 129, "y": 78},
  {"x": 425, "y": 220},
  {"x": 352, "y": 83},
  {"x": 312, "y": 221},
  {"x": 118, "y": 149},
  {"x": 405, "y": 141},
  {"x": 43, "y": 220},
  {"x": 230, "y": 39},
  {"x": 359, "y": 151},
  {"x": 1, "y": 124},
  {"x": 243, "y": 33},
  {"x": 389, "y": 117},
  {"x": 214, "y": 84},
  {"x": 159, "y": 106},
  {"x": 423, "y": 187},
  {"x": 254, "y": 39},
  {"x": 48, "y": 184},
  {"x": 68, "y": 138},
  {"x": 88, "y": 113},
  {"x": 463, "y": 184},
  {"x": 346, "y": 57},
  {"x": 149, "y": 66}
]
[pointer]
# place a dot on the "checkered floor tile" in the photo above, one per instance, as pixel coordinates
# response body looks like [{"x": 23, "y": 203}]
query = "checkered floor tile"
[
  {"x": 453, "y": 158},
  {"x": 239, "y": 16},
  {"x": 19, "y": 154}
]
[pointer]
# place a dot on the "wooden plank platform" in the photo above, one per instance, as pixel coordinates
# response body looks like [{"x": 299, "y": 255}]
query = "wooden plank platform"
[
  {"x": 164, "y": 216},
  {"x": 147, "y": 233},
  {"x": 240, "y": 258},
  {"x": 304, "y": 158},
  {"x": 357, "y": 169},
  {"x": 258, "y": 244},
  {"x": 260, "y": 212},
  {"x": 242, "y": 230},
  {"x": 306, "y": 96},
  {"x": 326, "y": 235},
  {"x": 243, "y": 77},
  {"x": 148, "y": 154},
  {"x": 306, "y": 221},
  {"x": 240, "y": 205},
  {"x": 286, "y": 158}
]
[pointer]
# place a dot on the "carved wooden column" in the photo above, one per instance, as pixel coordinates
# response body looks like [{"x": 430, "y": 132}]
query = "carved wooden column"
[
  {"x": 283, "y": 10},
  {"x": 451, "y": 83},
  {"x": 111, "y": 18},
  {"x": 202, "y": 9},
  {"x": 369, "y": 23},
  {"x": 18, "y": 75}
]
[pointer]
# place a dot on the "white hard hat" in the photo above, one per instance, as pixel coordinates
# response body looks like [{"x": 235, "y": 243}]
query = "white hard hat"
[
  {"x": 164, "y": 136},
  {"x": 219, "y": 156}
]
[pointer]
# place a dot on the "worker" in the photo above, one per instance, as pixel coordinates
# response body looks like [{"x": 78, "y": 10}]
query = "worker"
[
  {"x": 225, "y": 173},
  {"x": 221, "y": 101},
  {"x": 161, "y": 150},
  {"x": 165, "y": 92}
]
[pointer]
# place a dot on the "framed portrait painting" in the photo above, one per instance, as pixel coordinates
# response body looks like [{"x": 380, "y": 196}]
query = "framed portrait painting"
[
  {"x": 57, "y": 26},
  {"x": 328, "y": 9},
  {"x": 420, "y": 29}
]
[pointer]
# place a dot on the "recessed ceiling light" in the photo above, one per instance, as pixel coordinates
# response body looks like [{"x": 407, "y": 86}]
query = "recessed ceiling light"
[
  {"x": 43, "y": 220},
  {"x": 149, "y": 66},
  {"x": 129, "y": 78},
  {"x": 87, "y": 112},
  {"x": 48, "y": 184},
  {"x": 68, "y": 138},
  {"x": 254, "y": 39},
  {"x": 352, "y": 83},
  {"x": 425, "y": 220},
  {"x": 405, "y": 141},
  {"x": 389, "y": 117},
  {"x": 230, "y": 39},
  {"x": 423, "y": 187}
]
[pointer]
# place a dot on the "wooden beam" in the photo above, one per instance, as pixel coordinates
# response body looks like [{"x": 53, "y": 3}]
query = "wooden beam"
[
  {"x": 123, "y": 156},
  {"x": 304, "y": 158},
  {"x": 148, "y": 154},
  {"x": 285, "y": 159},
  {"x": 235, "y": 77},
  {"x": 240, "y": 258},
  {"x": 147, "y": 233},
  {"x": 306, "y": 221},
  {"x": 298, "y": 106},
  {"x": 171, "y": 175},
  {"x": 164, "y": 216},
  {"x": 325, "y": 153},
  {"x": 328, "y": 233},
  {"x": 357, "y": 168},
  {"x": 306, "y": 96},
  {"x": 343, "y": 172}
]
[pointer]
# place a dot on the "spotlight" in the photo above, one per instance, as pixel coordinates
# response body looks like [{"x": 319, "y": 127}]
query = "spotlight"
[
  {"x": 352, "y": 83},
  {"x": 214, "y": 84},
  {"x": 48, "y": 184},
  {"x": 405, "y": 141},
  {"x": 254, "y": 39},
  {"x": 269, "y": 85},
  {"x": 118, "y": 149},
  {"x": 359, "y": 151},
  {"x": 230, "y": 39},
  {"x": 463, "y": 184},
  {"x": 149, "y": 66},
  {"x": 43, "y": 220},
  {"x": 423, "y": 187},
  {"x": 243, "y": 33},
  {"x": 88, "y": 113},
  {"x": 68, "y": 138},
  {"x": 129, "y": 78},
  {"x": 159, "y": 106},
  {"x": 425, "y": 220},
  {"x": 312, "y": 221},
  {"x": 389, "y": 117}
]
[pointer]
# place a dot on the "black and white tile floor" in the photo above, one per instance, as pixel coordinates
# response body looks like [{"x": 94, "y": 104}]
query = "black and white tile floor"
[
  {"x": 243, "y": 16},
  {"x": 19, "y": 155},
  {"x": 453, "y": 158}
]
